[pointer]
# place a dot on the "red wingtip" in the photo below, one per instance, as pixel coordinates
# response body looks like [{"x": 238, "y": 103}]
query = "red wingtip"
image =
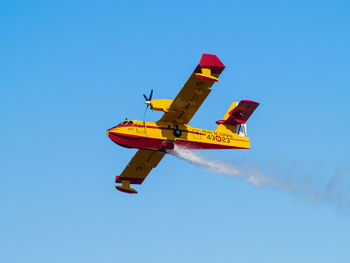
[
  {"x": 116, "y": 179},
  {"x": 212, "y": 62}
]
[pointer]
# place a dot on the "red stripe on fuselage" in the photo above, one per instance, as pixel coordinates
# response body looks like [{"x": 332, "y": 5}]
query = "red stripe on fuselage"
[
  {"x": 172, "y": 129},
  {"x": 135, "y": 141},
  {"x": 157, "y": 127}
]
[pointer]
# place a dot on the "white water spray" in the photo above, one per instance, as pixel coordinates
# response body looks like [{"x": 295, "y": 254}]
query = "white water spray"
[
  {"x": 250, "y": 176},
  {"x": 333, "y": 191}
]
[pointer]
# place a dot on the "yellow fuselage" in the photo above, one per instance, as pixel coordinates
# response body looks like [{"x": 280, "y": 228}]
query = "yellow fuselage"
[{"x": 164, "y": 136}]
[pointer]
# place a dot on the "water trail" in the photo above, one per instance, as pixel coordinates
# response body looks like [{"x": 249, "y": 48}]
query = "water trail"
[
  {"x": 251, "y": 175},
  {"x": 334, "y": 190}
]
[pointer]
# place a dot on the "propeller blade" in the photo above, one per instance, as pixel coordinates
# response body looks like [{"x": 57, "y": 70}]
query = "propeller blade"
[
  {"x": 145, "y": 110},
  {"x": 148, "y": 101}
]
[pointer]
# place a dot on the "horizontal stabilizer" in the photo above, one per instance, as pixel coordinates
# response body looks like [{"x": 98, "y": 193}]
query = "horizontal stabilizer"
[{"x": 241, "y": 113}]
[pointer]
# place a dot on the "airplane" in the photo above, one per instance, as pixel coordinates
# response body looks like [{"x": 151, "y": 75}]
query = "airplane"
[{"x": 154, "y": 139}]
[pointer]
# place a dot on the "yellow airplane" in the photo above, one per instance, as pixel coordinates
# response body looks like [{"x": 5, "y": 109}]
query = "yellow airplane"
[{"x": 153, "y": 139}]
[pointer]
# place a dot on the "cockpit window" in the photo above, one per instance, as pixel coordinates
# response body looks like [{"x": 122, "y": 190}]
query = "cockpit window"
[{"x": 125, "y": 122}]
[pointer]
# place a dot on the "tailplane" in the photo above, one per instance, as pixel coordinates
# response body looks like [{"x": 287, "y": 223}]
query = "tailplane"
[{"x": 236, "y": 117}]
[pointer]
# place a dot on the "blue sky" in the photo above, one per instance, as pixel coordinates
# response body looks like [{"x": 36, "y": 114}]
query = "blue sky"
[{"x": 69, "y": 70}]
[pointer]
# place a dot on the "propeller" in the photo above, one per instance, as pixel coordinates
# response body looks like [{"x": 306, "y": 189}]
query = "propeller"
[{"x": 148, "y": 100}]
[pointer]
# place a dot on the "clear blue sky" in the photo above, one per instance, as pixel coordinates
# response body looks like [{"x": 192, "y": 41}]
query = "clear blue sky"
[{"x": 69, "y": 70}]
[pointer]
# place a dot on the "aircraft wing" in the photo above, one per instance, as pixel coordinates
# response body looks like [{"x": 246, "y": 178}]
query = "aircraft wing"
[
  {"x": 195, "y": 90},
  {"x": 137, "y": 169}
]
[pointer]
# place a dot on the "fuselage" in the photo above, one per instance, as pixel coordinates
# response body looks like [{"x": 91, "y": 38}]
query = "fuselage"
[{"x": 164, "y": 136}]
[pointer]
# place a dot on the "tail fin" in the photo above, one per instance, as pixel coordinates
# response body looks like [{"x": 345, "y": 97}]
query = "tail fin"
[
  {"x": 236, "y": 117},
  {"x": 224, "y": 127}
]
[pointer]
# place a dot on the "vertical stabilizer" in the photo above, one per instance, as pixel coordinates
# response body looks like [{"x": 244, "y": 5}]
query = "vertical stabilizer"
[
  {"x": 235, "y": 119},
  {"x": 224, "y": 127}
]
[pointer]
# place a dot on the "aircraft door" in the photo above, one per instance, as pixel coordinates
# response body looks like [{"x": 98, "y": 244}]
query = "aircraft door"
[{"x": 141, "y": 128}]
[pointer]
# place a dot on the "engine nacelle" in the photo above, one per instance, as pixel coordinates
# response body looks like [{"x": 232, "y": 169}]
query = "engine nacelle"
[{"x": 161, "y": 105}]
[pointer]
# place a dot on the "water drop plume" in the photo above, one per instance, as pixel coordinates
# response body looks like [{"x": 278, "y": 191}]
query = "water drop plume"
[{"x": 334, "y": 189}]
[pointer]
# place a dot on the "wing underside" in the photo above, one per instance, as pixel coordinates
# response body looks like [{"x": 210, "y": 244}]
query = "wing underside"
[{"x": 138, "y": 168}]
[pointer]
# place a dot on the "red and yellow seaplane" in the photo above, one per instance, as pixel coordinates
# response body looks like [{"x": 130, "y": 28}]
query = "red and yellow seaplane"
[{"x": 154, "y": 139}]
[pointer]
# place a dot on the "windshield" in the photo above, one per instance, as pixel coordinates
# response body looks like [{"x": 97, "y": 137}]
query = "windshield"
[{"x": 125, "y": 122}]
